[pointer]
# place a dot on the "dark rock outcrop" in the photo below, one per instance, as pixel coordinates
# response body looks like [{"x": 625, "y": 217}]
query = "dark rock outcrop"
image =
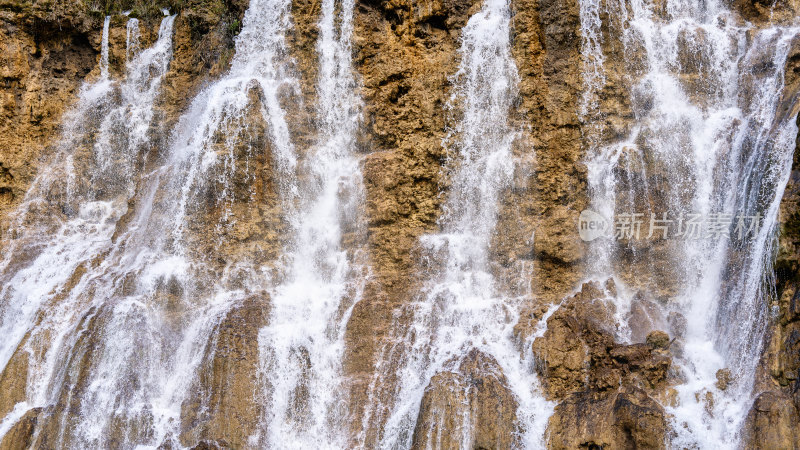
[{"x": 772, "y": 423}]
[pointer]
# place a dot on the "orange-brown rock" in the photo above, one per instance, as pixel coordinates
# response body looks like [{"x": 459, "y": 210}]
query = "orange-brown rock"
[
  {"x": 20, "y": 436},
  {"x": 14, "y": 380},
  {"x": 779, "y": 368},
  {"x": 605, "y": 389},
  {"x": 724, "y": 379},
  {"x": 763, "y": 12},
  {"x": 772, "y": 423},
  {"x": 45, "y": 52},
  {"x": 539, "y": 216},
  {"x": 624, "y": 419},
  {"x": 203, "y": 47},
  {"x": 224, "y": 406},
  {"x": 578, "y": 351},
  {"x": 404, "y": 53},
  {"x": 470, "y": 406},
  {"x": 658, "y": 339}
]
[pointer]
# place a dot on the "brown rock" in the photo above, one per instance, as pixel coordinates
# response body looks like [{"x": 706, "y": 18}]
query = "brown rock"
[
  {"x": 578, "y": 351},
  {"x": 646, "y": 315},
  {"x": 211, "y": 445},
  {"x": 724, "y": 378},
  {"x": 42, "y": 67},
  {"x": 766, "y": 12},
  {"x": 14, "y": 380},
  {"x": 224, "y": 407},
  {"x": 779, "y": 368},
  {"x": 772, "y": 423},
  {"x": 658, "y": 339},
  {"x": 550, "y": 191},
  {"x": 477, "y": 389},
  {"x": 624, "y": 420},
  {"x": 404, "y": 52},
  {"x": 20, "y": 436}
]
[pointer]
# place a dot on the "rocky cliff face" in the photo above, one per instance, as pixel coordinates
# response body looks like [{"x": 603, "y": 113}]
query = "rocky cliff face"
[{"x": 605, "y": 388}]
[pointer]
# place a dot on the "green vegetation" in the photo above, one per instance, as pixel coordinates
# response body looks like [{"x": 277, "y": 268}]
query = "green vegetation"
[
  {"x": 234, "y": 26},
  {"x": 152, "y": 8}
]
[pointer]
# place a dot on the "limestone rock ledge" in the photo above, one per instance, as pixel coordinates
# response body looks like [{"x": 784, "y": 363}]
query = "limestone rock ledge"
[
  {"x": 627, "y": 418},
  {"x": 607, "y": 392},
  {"x": 470, "y": 407},
  {"x": 774, "y": 416}
]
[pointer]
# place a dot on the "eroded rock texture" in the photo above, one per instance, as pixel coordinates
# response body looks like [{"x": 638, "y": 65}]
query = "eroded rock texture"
[
  {"x": 471, "y": 407},
  {"x": 620, "y": 420},
  {"x": 45, "y": 56},
  {"x": 404, "y": 53},
  {"x": 608, "y": 394},
  {"x": 778, "y": 405}
]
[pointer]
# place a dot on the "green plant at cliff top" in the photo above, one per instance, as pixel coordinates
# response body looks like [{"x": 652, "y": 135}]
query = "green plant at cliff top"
[
  {"x": 139, "y": 8},
  {"x": 234, "y": 27}
]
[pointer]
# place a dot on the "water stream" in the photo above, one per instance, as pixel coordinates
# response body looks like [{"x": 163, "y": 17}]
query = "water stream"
[
  {"x": 708, "y": 139},
  {"x": 462, "y": 305},
  {"x": 139, "y": 236},
  {"x": 302, "y": 346}
]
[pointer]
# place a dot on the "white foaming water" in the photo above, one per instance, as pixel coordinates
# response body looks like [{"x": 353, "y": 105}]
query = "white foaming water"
[
  {"x": 104, "y": 48},
  {"x": 302, "y": 346},
  {"x": 164, "y": 295},
  {"x": 463, "y": 306},
  {"x": 260, "y": 66},
  {"x": 86, "y": 221},
  {"x": 68, "y": 216},
  {"x": 132, "y": 36},
  {"x": 707, "y": 98},
  {"x": 130, "y": 321}
]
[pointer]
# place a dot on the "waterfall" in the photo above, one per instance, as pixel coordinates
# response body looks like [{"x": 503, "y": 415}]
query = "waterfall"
[
  {"x": 104, "y": 48},
  {"x": 111, "y": 320},
  {"x": 302, "y": 346},
  {"x": 173, "y": 254},
  {"x": 132, "y": 36},
  {"x": 168, "y": 291},
  {"x": 463, "y": 305},
  {"x": 132, "y": 313},
  {"x": 708, "y": 137},
  {"x": 75, "y": 203}
]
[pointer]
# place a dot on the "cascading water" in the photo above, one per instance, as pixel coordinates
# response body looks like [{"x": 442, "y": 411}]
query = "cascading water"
[
  {"x": 132, "y": 36},
  {"x": 463, "y": 305},
  {"x": 136, "y": 244},
  {"x": 122, "y": 305},
  {"x": 709, "y": 137},
  {"x": 120, "y": 358},
  {"x": 302, "y": 346},
  {"x": 159, "y": 267},
  {"x": 104, "y": 48},
  {"x": 75, "y": 204}
]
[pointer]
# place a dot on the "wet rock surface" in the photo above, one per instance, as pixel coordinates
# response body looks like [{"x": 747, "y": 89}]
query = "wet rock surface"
[
  {"x": 224, "y": 408},
  {"x": 779, "y": 371},
  {"x": 579, "y": 351},
  {"x": 771, "y": 423},
  {"x": 471, "y": 406},
  {"x": 608, "y": 394},
  {"x": 621, "y": 419},
  {"x": 20, "y": 436},
  {"x": 404, "y": 53},
  {"x": 606, "y": 391}
]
